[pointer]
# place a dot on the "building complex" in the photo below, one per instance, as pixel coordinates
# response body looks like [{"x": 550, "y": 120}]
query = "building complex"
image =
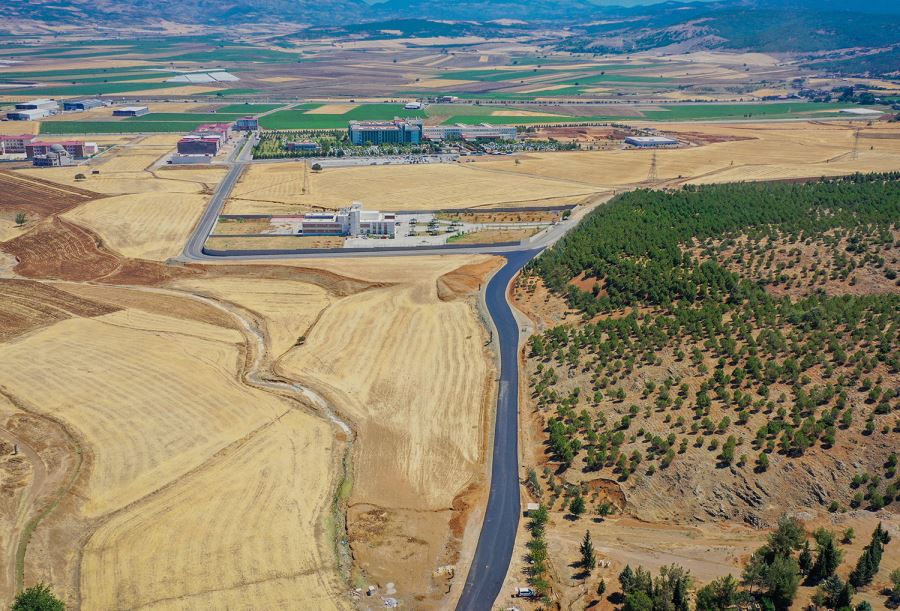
[
  {"x": 352, "y": 221},
  {"x": 206, "y": 139},
  {"x": 398, "y": 131},
  {"x": 33, "y": 110},
  {"x": 247, "y": 124},
  {"x": 32, "y": 147},
  {"x": 460, "y": 131},
  {"x": 80, "y": 105}
]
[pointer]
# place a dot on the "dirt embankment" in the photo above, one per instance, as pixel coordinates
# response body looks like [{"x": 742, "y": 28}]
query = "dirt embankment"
[
  {"x": 61, "y": 250},
  {"x": 465, "y": 280}
]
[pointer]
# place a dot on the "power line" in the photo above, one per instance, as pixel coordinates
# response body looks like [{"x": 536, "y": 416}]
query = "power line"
[{"x": 652, "y": 176}]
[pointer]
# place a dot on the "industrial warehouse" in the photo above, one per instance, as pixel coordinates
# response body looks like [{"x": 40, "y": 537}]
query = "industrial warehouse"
[{"x": 33, "y": 110}]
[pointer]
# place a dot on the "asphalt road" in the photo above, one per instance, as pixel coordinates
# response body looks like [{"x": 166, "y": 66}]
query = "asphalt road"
[
  {"x": 498, "y": 531},
  {"x": 193, "y": 250}
]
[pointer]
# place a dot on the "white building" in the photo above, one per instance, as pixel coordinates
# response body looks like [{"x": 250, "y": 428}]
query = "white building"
[
  {"x": 413, "y": 106},
  {"x": 28, "y": 115},
  {"x": 42, "y": 104},
  {"x": 460, "y": 131},
  {"x": 650, "y": 141},
  {"x": 352, "y": 221}
]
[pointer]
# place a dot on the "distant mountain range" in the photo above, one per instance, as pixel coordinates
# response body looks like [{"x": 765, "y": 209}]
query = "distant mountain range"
[{"x": 804, "y": 26}]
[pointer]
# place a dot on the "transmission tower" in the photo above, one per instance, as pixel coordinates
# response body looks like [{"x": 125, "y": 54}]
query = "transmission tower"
[
  {"x": 652, "y": 176},
  {"x": 855, "y": 154}
]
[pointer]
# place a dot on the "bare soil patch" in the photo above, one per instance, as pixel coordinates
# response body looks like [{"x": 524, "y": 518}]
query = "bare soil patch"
[
  {"x": 465, "y": 280},
  {"x": 40, "y": 198},
  {"x": 28, "y": 305},
  {"x": 60, "y": 250}
]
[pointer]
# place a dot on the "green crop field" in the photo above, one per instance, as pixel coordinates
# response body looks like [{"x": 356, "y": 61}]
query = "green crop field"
[
  {"x": 110, "y": 78},
  {"x": 470, "y": 119},
  {"x": 249, "y": 109},
  {"x": 190, "y": 117},
  {"x": 93, "y": 89},
  {"x": 299, "y": 119},
  {"x": 116, "y": 127},
  {"x": 74, "y": 72},
  {"x": 380, "y": 112},
  {"x": 294, "y": 119}
]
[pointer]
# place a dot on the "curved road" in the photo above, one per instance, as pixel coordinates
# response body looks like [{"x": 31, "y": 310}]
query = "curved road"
[
  {"x": 498, "y": 532},
  {"x": 501, "y": 519}
]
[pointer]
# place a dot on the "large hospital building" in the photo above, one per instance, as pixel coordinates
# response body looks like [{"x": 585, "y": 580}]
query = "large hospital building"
[{"x": 398, "y": 131}]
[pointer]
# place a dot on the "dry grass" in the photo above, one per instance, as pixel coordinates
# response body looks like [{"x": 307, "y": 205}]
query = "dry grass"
[
  {"x": 16, "y": 128},
  {"x": 279, "y": 188},
  {"x": 773, "y": 151},
  {"x": 409, "y": 370},
  {"x": 332, "y": 109},
  {"x": 143, "y": 225},
  {"x": 288, "y": 308},
  {"x": 170, "y": 426},
  {"x": 493, "y": 236},
  {"x": 255, "y": 513},
  {"x": 275, "y": 242}
]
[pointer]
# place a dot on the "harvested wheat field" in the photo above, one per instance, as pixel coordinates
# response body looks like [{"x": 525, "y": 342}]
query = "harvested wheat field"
[
  {"x": 143, "y": 225},
  {"x": 262, "y": 542},
  {"x": 284, "y": 188},
  {"x": 406, "y": 365},
  {"x": 768, "y": 151},
  {"x": 287, "y": 308},
  {"x": 37, "y": 197},
  {"x": 16, "y": 128},
  {"x": 169, "y": 426}
]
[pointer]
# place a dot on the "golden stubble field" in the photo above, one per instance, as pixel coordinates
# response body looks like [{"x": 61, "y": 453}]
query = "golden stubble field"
[
  {"x": 170, "y": 426},
  {"x": 287, "y": 188},
  {"x": 199, "y": 488},
  {"x": 749, "y": 152},
  {"x": 150, "y": 211},
  {"x": 405, "y": 364}
]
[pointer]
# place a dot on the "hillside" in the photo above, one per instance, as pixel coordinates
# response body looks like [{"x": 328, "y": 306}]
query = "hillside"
[{"x": 737, "y": 342}]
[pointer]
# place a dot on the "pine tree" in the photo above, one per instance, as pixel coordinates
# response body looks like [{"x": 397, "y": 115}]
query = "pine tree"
[
  {"x": 805, "y": 560},
  {"x": 827, "y": 561},
  {"x": 870, "y": 561},
  {"x": 588, "y": 559}
]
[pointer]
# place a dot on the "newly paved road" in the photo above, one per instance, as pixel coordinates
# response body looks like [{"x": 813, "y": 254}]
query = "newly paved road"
[
  {"x": 240, "y": 157},
  {"x": 498, "y": 532}
]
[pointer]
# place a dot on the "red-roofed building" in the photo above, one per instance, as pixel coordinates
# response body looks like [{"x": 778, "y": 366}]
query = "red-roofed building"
[
  {"x": 75, "y": 148},
  {"x": 14, "y": 144},
  {"x": 219, "y": 130},
  {"x": 196, "y": 144}
]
